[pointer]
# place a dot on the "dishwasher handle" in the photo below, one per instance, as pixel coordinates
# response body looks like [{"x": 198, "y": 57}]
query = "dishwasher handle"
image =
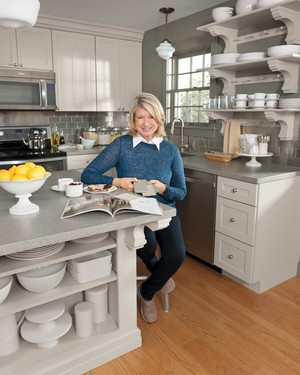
[{"x": 200, "y": 181}]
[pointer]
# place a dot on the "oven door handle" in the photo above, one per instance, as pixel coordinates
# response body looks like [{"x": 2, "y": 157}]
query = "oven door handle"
[{"x": 43, "y": 95}]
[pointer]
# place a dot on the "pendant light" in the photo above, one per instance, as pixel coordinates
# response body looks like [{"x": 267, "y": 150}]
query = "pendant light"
[
  {"x": 165, "y": 50},
  {"x": 18, "y": 13}
]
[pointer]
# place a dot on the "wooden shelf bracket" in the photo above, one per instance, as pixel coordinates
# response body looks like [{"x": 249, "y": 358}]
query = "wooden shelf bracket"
[
  {"x": 290, "y": 17},
  {"x": 286, "y": 121},
  {"x": 290, "y": 72},
  {"x": 228, "y": 35}
]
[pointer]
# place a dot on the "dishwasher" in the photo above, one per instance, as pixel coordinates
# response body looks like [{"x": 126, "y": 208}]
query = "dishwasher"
[{"x": 197, "y": 214}]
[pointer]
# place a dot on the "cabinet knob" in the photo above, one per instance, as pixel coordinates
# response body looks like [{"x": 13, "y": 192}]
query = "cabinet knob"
[
  {"x": 230, "y": 256},
  {"x": 87, "y": 162},
  {"x": 232, "y": 220},
  {"x": 234, "y": 190},
  {"x": 21, "y": 65},
  {"x": 15, "y": 64}
]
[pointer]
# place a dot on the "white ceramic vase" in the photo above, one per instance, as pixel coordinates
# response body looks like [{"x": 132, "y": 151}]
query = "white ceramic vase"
[{"x": 244, "y": 6}]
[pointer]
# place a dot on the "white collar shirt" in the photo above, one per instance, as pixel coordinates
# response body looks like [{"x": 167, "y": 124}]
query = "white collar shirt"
[{"x": 155, "y": 141}]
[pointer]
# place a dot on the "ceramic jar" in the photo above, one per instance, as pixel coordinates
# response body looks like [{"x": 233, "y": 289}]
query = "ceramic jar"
[{"x": 244, "y": 6}]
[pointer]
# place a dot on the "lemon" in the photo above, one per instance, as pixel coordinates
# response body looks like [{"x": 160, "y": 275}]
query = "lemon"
[
  {"x": 12, "y": 170},
  {"x": 5, "y": 175},
  {"x": 22, "y": 169},
  {"x": 19, "y": 177},
  {"x": 36, "y": 172},
  {"x": 30, "y": 164}
]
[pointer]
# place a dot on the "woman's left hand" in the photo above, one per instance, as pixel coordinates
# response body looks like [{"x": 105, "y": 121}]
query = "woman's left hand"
[{"x": 159, "y": 184}]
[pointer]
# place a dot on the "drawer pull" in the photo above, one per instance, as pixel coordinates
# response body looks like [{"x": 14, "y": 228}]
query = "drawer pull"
[
  {"x": 232, "y": 220},
  {"x": 234, "y": 190},
  {"x": 230, "y": 256}
]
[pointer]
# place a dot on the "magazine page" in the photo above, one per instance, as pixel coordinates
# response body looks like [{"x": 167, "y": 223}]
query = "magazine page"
[
  {"x": 145, "y": 205},
  {"x": 88, "y": 203}
]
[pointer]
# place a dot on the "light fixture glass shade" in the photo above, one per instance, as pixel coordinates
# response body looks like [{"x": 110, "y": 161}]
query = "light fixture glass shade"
[
  {"x": 18, "y": 13},
  {"x": 165, "y": 50}
]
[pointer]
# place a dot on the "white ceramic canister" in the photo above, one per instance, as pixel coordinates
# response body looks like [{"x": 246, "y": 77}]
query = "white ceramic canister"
[
  {"x": 244, "y": 6},
  {"x": 9, "y": 338},
  {"x": 103, "y": 136},
  {"x": 98, "y": 298},
  {"x": 84, "y": 323}
]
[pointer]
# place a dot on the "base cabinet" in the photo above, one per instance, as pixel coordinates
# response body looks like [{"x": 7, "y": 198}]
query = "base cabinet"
[{"x": 257, "y": 236}]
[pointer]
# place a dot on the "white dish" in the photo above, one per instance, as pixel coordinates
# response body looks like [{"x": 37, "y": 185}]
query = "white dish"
[
  {"x": 224, "y": 58},
  {"x": 288, "y": 49},
  {"x": 42, "y": 279},
  {"x": 91, "y": 239},
  {"x": 113, "y": 188},
  {"x": 39, "y": 252},
  {"x": 85, "y": 277},
  {"x": 5, "y": 287},
  {"x": 56, "y": 188},
  {"x": 45, "y": 339},
  {"x": 87, "y": 262},
  {"x": 45, "y": 314}
]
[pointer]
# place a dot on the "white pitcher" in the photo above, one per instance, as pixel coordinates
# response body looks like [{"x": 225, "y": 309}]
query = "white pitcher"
[{"x": 244, "y": 6}]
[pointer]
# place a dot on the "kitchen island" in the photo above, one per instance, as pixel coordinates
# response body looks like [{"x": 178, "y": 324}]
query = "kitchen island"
[{"x": 118, "y": 334}]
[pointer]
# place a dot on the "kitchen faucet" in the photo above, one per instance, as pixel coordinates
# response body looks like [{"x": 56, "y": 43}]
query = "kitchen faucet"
[{"x": 182, "y": 146}]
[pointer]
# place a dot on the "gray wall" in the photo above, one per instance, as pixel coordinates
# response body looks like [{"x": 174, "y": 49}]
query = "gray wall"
[{"x": 185, "y": 37}]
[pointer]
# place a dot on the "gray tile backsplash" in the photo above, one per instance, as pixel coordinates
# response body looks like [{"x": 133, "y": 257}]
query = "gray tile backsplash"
[{"x": 201, "y": 139}]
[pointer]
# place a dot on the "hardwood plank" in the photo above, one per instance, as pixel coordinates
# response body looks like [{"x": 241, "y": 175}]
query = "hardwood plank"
[{"x": 217, "y": 327}]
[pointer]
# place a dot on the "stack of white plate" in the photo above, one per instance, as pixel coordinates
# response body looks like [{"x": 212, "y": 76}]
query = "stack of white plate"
[
  {"x": 38, "y": 252},
  {"x": 90, "y": 267},
  {"x": 293, "y": 103},
  {"x": 91, "y": 239},
  {"x": 251, "y": 56},
  {"x": 45, "y": 324},
  {"x": 288, "y": 49},
  {"x": 224, "y": 58}
]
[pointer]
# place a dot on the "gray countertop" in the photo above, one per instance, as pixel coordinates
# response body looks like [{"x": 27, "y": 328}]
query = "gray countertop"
[
  {"x": 237, "y": 169},
  {"x": 46, "y": 227}
]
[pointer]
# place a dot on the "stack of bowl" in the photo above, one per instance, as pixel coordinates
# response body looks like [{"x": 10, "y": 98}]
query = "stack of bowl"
[{"x": 222, "y": 13}]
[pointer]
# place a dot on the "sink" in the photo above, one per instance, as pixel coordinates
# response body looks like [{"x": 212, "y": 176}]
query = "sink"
[{"x": 185, "y": 154}]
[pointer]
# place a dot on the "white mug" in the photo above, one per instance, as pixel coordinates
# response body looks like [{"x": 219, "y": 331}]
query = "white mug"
[
  {"x": 240, "y": 103},
  {"x": 272, "y": 96},
  {"x": 241, "y": 97},
  {"x": 271, "y": 103},
  {"x": 74, "y": 189},
  {"x": 62, "y": 182},
  {"x": 259, "y": 96},
  {"x": 258, "y": 103}
]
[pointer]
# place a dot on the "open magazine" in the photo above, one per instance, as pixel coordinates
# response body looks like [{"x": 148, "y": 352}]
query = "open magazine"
[{"x": 112, "y": 205}]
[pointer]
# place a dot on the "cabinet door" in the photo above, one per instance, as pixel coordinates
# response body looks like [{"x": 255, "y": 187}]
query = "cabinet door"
[
  {"x": 8, "y": 55},
  {"x": 34, "y": 48},
  {"x": 74, "y": 64},
  {"x": 131, "y": 72},
  {"x": 108, "y": 74}
]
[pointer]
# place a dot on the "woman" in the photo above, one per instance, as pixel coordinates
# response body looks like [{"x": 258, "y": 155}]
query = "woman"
[{"x": 144, "y": 154}]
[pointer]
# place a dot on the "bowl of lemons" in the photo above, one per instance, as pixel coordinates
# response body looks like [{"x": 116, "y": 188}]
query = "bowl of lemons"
[{"x": 22, "y": 181}]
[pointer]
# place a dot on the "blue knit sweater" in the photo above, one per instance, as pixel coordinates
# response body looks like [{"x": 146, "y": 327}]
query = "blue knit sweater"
[{"x": 145, "y": 162}]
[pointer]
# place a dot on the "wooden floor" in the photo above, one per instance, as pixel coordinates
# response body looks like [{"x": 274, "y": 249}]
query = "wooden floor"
[{"x": 216, "y": 326}]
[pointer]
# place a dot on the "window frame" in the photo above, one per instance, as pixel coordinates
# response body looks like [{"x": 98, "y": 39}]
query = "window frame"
[{"x": 171, "y": 87}]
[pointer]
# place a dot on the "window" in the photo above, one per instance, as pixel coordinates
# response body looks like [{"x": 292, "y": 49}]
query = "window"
[{"x": 186, "y": 88}]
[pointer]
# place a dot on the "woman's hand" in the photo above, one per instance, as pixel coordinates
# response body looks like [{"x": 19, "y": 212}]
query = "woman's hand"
[
  {"x": 125, "y": 183},
  {"x": 159, "y": 184}
]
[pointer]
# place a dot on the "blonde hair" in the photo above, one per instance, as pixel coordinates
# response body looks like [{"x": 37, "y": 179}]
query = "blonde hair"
[{"x": 151, "y": 104}]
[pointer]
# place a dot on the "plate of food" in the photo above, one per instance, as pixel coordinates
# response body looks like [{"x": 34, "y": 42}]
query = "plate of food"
[{"x": 99, "y": 189}]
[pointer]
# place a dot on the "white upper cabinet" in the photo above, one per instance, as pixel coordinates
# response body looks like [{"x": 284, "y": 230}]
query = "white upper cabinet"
[
  {"x": 74, "y": 65},
  {"x": 119, "y": 73},
  {"x": 26, "y": 48}
]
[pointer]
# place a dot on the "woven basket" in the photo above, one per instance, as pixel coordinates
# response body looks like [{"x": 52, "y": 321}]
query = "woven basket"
[{"x": 219, "y": 156}]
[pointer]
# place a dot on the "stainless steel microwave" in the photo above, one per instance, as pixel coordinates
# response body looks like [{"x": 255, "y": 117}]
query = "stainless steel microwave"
[{"x": 27, "y": 90}]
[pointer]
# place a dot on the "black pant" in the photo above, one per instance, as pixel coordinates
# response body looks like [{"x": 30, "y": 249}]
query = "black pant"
[{"x": 172, "y": 250}]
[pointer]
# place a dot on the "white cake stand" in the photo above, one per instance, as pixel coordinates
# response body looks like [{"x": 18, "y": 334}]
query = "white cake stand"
[{"x": 253, "y": 162}]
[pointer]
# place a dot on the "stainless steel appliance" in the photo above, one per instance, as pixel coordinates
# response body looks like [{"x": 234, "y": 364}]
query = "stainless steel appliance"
[
  {"x": 13, "y": 151},
  {"x": 197, "y": 214},
  {"x": 27, "y": 90}
]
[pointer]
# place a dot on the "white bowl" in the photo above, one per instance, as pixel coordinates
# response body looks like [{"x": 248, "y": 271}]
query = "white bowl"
[
  {"x": 42, "y": 279},
  {"x": 88, "y": 143},
  {"x": 224, "y": 58},
  {"x": 23, "y": 190},
  {"x": 251, "y": 56},
  {"x": 266, "y": 3},
  {"x": 221, "y": 13},
  {"x": 284, "y": 50},
  {"x": 5, "y": 286}
]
